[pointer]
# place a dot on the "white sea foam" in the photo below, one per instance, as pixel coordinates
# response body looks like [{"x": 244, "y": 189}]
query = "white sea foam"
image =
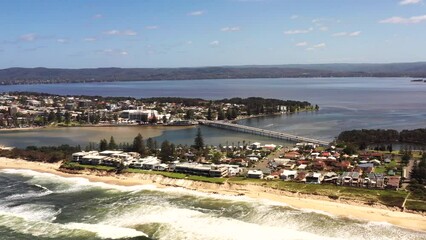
[
  {"x": 190, "y": 224},
  {"x": 32, "y": 212},
  {"x": 106, "y": 231}
]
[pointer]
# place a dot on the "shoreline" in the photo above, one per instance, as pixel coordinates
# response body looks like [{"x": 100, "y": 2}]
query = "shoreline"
[{"x": 349, "y": 209}]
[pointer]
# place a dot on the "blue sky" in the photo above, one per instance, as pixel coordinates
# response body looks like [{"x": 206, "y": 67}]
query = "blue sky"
[{"x": 186, "y": 33}]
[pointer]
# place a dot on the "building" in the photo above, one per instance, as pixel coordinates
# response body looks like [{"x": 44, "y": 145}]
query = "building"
[
  {"x": 288, "y": 175},
  {"x": 313, "y": 177},
  {"x": 255, "y": 174},
  {"x": 201, "y": 169}
]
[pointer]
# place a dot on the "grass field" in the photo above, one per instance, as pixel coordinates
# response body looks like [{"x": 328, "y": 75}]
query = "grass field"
[{"x": 386, "y": 197}]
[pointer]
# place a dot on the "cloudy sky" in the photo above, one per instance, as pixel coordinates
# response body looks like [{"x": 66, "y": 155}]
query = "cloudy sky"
[{"x": 185, "y": 33}]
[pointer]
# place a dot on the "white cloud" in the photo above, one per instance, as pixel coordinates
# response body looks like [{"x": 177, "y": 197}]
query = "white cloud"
[
  {"x": 152, "y": 27},
  {"x": 129, "y": 33},
  {"x": 407, "y": 2},
  {"x": 294, "y": 17},
  {"x": 230, "y": 29},
  {"x": 298, "y": 31},
  {"x": 196, "y": 13},
  {"x": 214, "y": 43},
  {"x": 28, "y": 37},
  {"x": 323, "y": 28},
  {"x": 89, "y": 39},
  {"x": 315, "y": 47},
  {"x": 61, "y": 40},
  {"x": 320, "y": 45},
  {"x": 112, "y": 32},
  {"x": 354, "y": 34},
  {"x": 118, "y": 32},
  {"x": 97, "y": 16},
  {"x": 301, "y": 44},
  {"x": 347, "y": 34},
  {"x": 340, "y": 34},
  {"x": 399, "y": 20},
  {"x": 112, "y": 52}
]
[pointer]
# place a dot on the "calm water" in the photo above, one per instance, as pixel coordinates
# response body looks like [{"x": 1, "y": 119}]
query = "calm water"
[
  {"x": 346, "y": 103},
  {"x": 44, "y": 206},
  {"x": 83, "y": 136}
]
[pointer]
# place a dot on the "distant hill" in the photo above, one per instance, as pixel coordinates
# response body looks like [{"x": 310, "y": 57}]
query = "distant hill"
[{"x": 56, "y": 75}]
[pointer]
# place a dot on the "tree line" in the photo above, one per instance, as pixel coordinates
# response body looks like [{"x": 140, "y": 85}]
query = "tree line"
[{"x": 364, "y": 137}]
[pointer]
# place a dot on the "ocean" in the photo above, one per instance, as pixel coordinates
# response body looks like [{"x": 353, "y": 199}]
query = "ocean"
[{"x": 45, "y": 206}]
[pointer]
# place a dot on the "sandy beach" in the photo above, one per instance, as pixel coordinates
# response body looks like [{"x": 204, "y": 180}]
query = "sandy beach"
[{"x": 351, "y": 210}]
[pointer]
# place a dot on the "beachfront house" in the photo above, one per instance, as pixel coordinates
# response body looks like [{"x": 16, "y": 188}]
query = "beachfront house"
[
  {"x": 255, "y": 174},
  {"x": 78, "y": 156},
  {"x": 313, "y": 178},
  {"x": 287, "y": 175},
  {"x": 201, "y": 169}
]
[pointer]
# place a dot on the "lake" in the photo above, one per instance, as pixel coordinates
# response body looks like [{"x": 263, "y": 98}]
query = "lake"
[{"x": 345, "y": 103}]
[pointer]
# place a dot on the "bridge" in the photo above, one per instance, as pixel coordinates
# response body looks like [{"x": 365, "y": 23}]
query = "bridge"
[{"x": 261, "y": 132}]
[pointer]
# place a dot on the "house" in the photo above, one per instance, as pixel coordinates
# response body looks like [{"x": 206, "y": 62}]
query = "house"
[
  {"x": 78, "y": 156},
  {"x": 330, "y": 177},
  {"x": 255, "y": 146},
  {"x": 255, "y": 174},
  {"x": 288, "y": 175},
  {"x": 393, "y": 182},
  {"x": 92, "y": 159},
  {"x": 201, "y": 169},
  {"x": 313, "y": 177},
  {"x": 292, "y": 155}
]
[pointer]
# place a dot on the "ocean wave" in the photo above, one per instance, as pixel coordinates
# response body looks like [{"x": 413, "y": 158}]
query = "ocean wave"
[
  {"x": 106, "y": 231},
  {"x": 59, "y": 231}
]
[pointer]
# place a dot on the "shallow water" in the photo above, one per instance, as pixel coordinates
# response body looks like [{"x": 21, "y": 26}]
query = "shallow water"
[{"x": 45, "y": 206}]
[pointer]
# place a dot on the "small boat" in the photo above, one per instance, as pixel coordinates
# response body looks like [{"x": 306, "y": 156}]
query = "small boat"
[{"x": 418, "y": 80}]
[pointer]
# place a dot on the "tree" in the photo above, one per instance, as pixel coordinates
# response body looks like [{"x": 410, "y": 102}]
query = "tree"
[
  {"x": 51, "y": 117},
  {"x": 229, "y": 114},
  {"x": 406, "y": 157},
  {"x": 58, "y": 115},
  {"x": 67, "y": 117},
  {"x": 150, "y": 145},
  {"x": 103, "y": 145},
  {"x": 139, "y": 145},
  {"x": 209, "y": 114},
  {"x": 199, "y": 141},
  {"x": 167, "y": 151},
  {"x": 189, "y": 114},
  {"x": 220, "y": 114},
  {"x": 217, "y": 156},
  {"x": 154, "y": 119},
  {"x": 112, "y": 145}
]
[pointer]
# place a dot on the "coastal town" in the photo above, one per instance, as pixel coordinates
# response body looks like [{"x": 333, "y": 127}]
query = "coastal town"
[
  {"x": 29, "y": 110},
  {"x": 304, "y": 162},
  {"x": 354, "y": 163}
]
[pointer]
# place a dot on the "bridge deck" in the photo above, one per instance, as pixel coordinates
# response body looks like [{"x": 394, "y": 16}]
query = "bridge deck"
[{"x": 262, "y": 132}]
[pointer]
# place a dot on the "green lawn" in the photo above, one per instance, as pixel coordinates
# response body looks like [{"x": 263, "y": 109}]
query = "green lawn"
[
  {"x": 386, "y": 167},
  {"x": 78, "y": 166},
  {"x": 178, "y": 175},
  {"x": 386, "y": 197},
  {"x": 416, "y": 205}
]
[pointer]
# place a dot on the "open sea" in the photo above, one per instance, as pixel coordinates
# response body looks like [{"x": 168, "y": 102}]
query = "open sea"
[{"x": 37, "y": 206}]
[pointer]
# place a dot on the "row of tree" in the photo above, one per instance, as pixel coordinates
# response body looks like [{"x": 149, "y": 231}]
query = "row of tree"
[
  {"x": 149, "y": 147},
  {"x": 363, "y": 138}
]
